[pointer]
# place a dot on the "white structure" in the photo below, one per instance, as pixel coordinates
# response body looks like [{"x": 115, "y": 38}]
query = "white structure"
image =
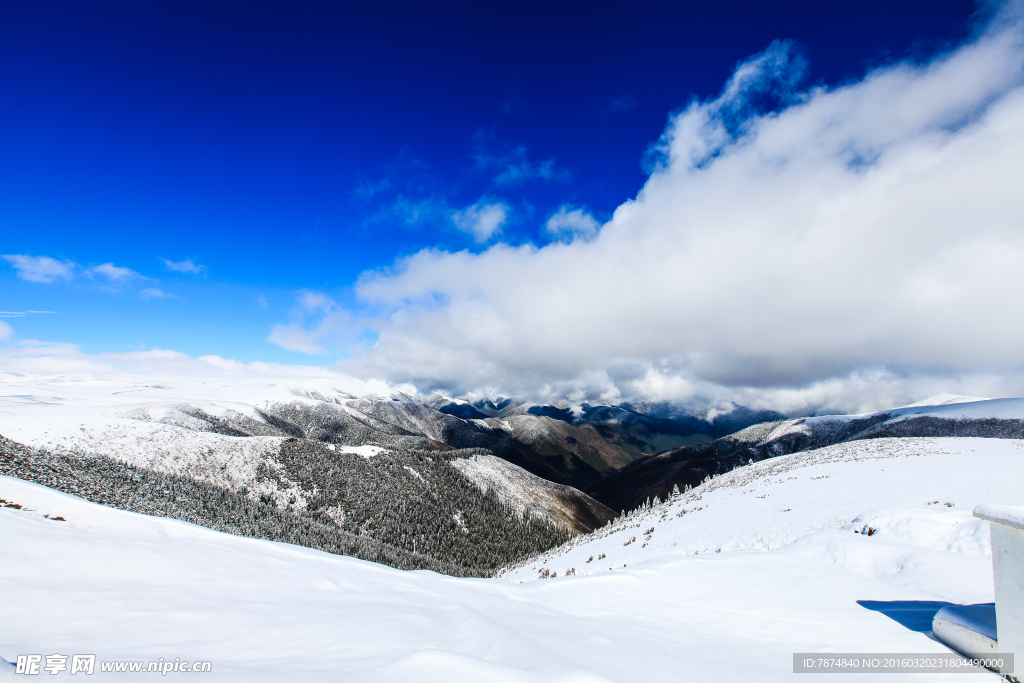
[
  {"x": 980, "y": 629},
  {"x": 968, "y": 629},
  {"x": 1008, "y": 567}
]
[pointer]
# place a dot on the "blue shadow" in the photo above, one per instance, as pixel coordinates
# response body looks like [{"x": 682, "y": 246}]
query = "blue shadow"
[{"x": 915, "y": 615}]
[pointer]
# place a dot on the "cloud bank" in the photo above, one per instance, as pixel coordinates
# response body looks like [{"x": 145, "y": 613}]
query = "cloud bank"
[{"x": 791, "y": 249}]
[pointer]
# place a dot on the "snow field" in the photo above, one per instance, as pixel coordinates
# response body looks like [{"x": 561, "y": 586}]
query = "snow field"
[{"x": 127, "y": 586}]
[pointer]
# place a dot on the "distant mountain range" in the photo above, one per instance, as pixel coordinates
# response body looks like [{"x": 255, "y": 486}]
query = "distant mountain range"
[{"x": 593, "y": 440}]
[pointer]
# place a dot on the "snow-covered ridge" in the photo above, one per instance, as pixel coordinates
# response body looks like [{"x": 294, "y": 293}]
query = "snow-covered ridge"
[
  {"x": 945, "y": 406},
  {"x": 917, "y": 492},
  {"x": 945, "y": 399}
]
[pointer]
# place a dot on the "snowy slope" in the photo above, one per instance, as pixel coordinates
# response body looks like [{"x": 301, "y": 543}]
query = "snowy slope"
[
  {"x": 126, "y": 586},
  {"x": 916, "y": 493},
  {"x": 526, "y": 492}
]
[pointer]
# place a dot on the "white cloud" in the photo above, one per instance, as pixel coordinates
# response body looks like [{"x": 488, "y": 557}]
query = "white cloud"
[
  {"x": 482, "y": 220},
  {"x": 114, "y": 273},
  {"x": 186, "y": 266},
  {"x": 866, "y": 240},
  {"x": 153, "y": 293},
  {"x": 6, "y": 331},
  {"x": 41, "y": 268},
  {"x": 316, "y": 325},
  {"x": 570, "y": 222}
]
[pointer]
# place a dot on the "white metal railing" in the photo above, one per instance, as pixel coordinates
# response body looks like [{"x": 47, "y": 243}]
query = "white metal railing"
[{"x": 984, "y": 629}]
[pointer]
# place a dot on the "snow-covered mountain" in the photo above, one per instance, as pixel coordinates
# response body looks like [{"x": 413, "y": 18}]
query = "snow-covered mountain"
[
  {"x": 221, "y": 439},
  {"x": 388, "y": 479},
  {"x": 233, "y": 435},
  {"x": 656, "y": 476}
]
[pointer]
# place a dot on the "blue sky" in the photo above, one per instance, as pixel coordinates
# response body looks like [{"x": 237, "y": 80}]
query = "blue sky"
[
  {"x": 248, "y": 163},
  {"x": 289, "y": 146}
]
